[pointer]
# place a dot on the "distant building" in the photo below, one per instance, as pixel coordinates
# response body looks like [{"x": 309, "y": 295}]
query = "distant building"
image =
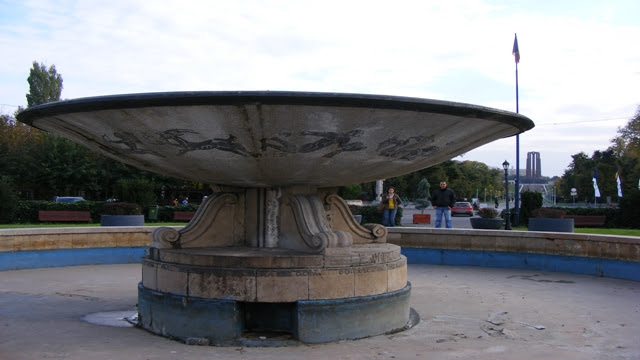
[{"x": 533, "y": 166}]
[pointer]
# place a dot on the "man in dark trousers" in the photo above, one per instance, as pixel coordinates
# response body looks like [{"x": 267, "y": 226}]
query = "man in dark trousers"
[{"x": 443, "y": 200}]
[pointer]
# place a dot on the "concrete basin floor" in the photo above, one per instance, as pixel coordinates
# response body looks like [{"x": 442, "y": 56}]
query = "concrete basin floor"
[{"x": 466, "y": 313}]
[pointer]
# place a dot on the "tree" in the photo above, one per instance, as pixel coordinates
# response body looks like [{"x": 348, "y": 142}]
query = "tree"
[
  {"x": 627, "y": 143},
  {"x": 626, "y": 147},
  {"x": 579, "y": 175},
  {"x": 45, "y": 85},
  {"x": 350, "y": 192},
  {"x": 8, "y": 201},
  {"x": 423, "y": 194}
]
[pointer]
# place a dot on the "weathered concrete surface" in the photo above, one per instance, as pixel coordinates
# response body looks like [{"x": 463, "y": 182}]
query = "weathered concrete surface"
[
  {"x": 273, "y": 139},
  {"x": 466, "y": 313}
]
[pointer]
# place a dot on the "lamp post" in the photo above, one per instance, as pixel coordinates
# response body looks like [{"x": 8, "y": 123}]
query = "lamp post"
[{"x": 507, "y": 223}]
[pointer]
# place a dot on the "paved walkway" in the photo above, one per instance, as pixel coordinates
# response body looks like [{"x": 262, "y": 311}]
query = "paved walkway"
[{"x": 466, "y": 312}]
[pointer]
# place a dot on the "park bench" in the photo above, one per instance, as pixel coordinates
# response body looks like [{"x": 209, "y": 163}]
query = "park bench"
[
  {"x": 587, "y": 220},
  {"x": 183, "y": 215},
  {"x": 63, "y": 215}
]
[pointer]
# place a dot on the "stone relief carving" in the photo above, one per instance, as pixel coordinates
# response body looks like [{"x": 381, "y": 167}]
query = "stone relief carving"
[
  {"x": 406, "y": 149},
  {"x": 284, "y": 143}
]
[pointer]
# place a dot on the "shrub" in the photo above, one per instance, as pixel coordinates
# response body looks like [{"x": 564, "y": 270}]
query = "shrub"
[
  {"x": 121, "y": 208},
  {"x": 530, "y": 200},
  {"x": 548, "y": 213},
  {"x": 8, "y": 201},
  {"x": 487, "y": 212},
  {"x": 629, "y": 214}
]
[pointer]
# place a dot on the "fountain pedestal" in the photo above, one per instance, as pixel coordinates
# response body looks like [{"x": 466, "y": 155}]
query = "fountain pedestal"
[{"x": 273, "y": 265}]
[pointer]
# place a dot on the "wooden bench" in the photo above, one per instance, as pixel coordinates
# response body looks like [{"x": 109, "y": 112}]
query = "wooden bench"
[
  {"x": 587, "y": 220},
  {"x": 63, "y": 215},
  {"x": 183, "y": 215}
]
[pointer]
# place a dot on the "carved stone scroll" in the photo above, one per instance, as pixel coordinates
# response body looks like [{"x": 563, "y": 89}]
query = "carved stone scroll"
[
  {"x": 304, "y": 226},
  {"x": 343, "y": 221},
  {"x": 215, "y": 224}
]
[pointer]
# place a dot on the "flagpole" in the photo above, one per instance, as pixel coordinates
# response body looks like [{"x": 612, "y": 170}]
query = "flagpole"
[{"x": 516, "y": 204}]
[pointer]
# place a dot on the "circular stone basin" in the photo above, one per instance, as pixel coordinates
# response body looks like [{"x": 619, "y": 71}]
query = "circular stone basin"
[
  {"x": 248, "y": 138},
  {"x": 251, "y": 274}
]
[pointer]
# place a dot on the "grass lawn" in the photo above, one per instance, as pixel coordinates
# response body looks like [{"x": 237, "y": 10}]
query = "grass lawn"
[
  {"x": 603, "y": 231},
  {"x": 596, "y": 230},
  {"x": 580, "y": 230},
  {"x": 50, "y": 225}
]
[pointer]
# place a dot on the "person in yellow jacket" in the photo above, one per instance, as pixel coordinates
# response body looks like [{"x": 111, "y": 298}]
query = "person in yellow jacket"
[{"x": 390, "y": 203}]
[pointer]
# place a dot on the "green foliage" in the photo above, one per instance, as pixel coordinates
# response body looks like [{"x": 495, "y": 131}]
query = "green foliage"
[
  {"x": 28, "y": 209},
  {"x": 463, "y": 177},
  {"x": 45, "y": 85},
  {"x": 487, "y": 212},
  {"x": 627, "y": 143},
  {"x": 121, "y": 208},
  {"x": 165, "y": 213},
  {"x": 548, "y": 213},
  {"x": 629, "y": 216},
  {"x": 350, "y": 192},
  {"x": 138, "y": 191},
  {"x": 529, "y": 201},
  {"x": 8, "y": 201}
]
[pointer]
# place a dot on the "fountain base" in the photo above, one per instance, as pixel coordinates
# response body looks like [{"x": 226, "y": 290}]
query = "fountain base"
[{"x": 269, "y": 297}]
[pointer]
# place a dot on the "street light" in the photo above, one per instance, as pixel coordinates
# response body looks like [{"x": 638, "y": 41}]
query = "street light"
[{"x": 507, "y": 223}]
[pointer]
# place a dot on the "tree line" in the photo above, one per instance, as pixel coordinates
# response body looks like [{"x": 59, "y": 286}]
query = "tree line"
[
  {"x": 622, "y": 157},
  {"x": 38, "y": 165}
]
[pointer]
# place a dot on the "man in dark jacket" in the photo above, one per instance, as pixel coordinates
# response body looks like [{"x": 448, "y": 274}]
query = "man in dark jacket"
[{"x": 443, "y": 200}]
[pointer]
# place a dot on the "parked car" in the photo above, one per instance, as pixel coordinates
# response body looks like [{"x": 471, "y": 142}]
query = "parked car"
[
  {"x": 68, "y": 199},
  {"x": 462, "y": 208}
]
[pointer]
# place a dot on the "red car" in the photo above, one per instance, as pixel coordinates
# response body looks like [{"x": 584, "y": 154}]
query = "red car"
[{"x": 462, "y": 208}]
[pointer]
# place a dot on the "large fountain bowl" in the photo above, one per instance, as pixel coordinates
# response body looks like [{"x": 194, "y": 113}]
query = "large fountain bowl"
[{"x": 272, "y": 139}]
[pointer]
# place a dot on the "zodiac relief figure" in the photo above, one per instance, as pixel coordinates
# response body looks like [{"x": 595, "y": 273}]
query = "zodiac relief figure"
[
  {"x": 408, "y": 149},
  {"x": 327, "y": 139},
  {"x": 279, "y": 144},
  {"x": 176, "y": 138},
  {"x": 338, "y": 142},
  {"x": 129, "y": 140}
]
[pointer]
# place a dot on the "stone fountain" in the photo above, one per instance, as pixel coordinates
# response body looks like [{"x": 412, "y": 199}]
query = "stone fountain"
[{"x": 275, "y": 255}]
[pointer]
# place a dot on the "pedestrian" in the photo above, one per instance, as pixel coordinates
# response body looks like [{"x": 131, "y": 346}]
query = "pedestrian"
[
  {"x": 174, "y": 202},
  {"x": 390, "y": 204},
  {"x": 496, "y": 202},
  {"x": 443, "y": 200},
  {"x": 185, "y": 201}
]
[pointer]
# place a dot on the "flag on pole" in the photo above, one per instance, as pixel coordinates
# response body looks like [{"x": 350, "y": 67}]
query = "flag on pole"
[
  {"x": 619, "y": 182},
  {"x": 516, "y": 51},
  {"x": 595, "y": 183}
]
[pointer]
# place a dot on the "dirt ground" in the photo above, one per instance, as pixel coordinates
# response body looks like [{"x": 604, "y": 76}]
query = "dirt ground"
[{"x": 466, "y": 313}]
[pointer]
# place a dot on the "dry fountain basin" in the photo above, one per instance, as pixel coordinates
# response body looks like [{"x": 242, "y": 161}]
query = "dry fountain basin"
[{"x": 274, "y": 256}]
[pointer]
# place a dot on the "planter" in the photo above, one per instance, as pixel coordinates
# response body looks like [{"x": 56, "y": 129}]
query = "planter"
[
  {"x": 122, "y": 220},
  {"x": 486, "y": 223},
  {"x": 553, "y": 225},
  {"x": 422, "y": 218}
]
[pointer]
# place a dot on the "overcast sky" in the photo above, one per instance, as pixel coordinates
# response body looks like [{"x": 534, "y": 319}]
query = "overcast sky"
[{"x": 579, "y": 73}]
